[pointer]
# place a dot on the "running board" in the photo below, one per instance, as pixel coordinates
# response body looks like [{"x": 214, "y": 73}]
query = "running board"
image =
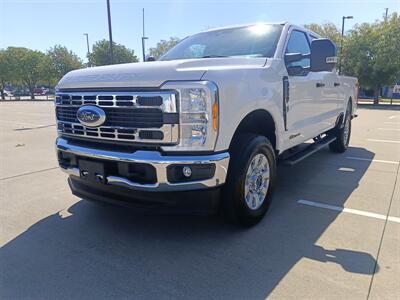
[{"x": 306, "y": 152}]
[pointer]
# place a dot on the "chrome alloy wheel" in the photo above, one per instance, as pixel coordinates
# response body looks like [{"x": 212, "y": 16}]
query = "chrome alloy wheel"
[{"x": 257, "y": 181}]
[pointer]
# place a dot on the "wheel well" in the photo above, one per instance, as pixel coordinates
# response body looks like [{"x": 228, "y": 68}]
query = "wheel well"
[
  {"x": 340, "y": 120},
  {"x": 259, "y": 122}
]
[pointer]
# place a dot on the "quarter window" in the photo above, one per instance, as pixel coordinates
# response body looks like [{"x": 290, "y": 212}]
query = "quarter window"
[{"x": 298, "y": 43}]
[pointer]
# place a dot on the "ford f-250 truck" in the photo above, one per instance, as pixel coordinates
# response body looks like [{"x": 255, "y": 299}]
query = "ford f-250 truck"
[{"x": 205, "y": 125}]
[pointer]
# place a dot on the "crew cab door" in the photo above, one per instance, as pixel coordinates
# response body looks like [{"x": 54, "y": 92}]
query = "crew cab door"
[
  {"x": 329, "y": 97},
  {"x": 303, "y": 91}
]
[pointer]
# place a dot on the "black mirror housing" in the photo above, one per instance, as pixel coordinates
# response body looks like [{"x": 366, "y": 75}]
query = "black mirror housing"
[
  {"x": 150, "y": 58},
  {"x": 323, "y": 55}
]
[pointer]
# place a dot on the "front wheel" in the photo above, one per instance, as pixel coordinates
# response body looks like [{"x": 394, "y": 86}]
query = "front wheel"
[
  {"x": 342, "y": 135},
  {"x": 252, "y": 171}
]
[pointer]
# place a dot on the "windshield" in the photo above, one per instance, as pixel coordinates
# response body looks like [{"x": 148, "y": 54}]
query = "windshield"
[{"x": 253, "y": 41}]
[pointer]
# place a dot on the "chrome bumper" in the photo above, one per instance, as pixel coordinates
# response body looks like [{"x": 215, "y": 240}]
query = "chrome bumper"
[{"x": 159, "y": 162}]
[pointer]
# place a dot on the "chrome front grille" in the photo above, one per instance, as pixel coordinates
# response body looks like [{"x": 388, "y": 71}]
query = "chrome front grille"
[{"x": 146, "y": 117}]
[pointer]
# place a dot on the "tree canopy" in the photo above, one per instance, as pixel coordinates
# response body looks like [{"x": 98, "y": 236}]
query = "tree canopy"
[
  {"x": 162, "y": 47},
  {"x": 327, "y": 30},
  {"x": 100, "y": 54},
  {"x": 372, "y": 53},
  {"x": 62, "y": 61},
  {"x": 28, "y": 66},
  {"x": 5, "y": 71}
]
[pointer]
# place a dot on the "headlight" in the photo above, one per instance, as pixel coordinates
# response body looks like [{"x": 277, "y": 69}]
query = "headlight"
[{"x": 198, "y": 111}]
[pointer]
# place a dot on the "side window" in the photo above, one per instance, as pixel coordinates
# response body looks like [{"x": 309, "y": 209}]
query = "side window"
[
  {"x": 196, "y": 50},
  {"x": 298, "y": 43}
]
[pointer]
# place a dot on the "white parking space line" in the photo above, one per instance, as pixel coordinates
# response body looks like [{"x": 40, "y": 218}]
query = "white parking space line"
[
  {"x": 394, "y": 116},
  {"x": 349, "y": 210},
  {"x": 373, "y": 160},
  {"x": 21, "y": 123},
  {"x": 392, "y": 123},
  {"x": 383, "y": 141},
  {"x": 394, "y": 129}
]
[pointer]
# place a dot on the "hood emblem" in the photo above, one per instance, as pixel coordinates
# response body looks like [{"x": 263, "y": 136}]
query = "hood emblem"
[{"x": 91, "y": 116}]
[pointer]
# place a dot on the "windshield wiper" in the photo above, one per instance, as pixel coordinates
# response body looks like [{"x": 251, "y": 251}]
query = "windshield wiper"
[{"x": 214, "y": 56}]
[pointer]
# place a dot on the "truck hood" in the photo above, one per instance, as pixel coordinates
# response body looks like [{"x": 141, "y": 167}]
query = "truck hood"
[{"x": 151, "y": 74}]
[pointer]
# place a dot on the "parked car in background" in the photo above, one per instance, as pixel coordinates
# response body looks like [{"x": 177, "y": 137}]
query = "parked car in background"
[
  {"x": 8, "y": 93},
  {"x": 38, "y": 91},
  {"x": 18, "y": 92}
]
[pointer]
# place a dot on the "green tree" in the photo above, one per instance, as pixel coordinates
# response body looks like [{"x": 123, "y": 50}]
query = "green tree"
[
  {"x": 100, "y": 54},
  {"x": 5, "y": 71},
  {"x": 327, "y": 30},
  {"x": 162, "y": 47},
  {"x": 62, "y": 61},
  {"x": 29, "y": 67},
  {"x": 372, "y": 54}
]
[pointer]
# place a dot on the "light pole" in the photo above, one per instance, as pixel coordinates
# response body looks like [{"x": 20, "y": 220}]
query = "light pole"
[
  {"x": 88, "y": 49},
  {"x": 143, "y": 40},
  {"x": 110, "y": 31},
  {"x": 341, "y": 42}
]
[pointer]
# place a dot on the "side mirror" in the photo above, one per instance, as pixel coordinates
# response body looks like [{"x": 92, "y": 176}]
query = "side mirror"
[
  {"x": 150, "y": 58},
  {"x": 323, "y": 55}
]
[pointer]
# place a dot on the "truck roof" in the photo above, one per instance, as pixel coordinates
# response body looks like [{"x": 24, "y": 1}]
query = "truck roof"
[
  {"x": 265, "y": 23},
  {"x": 245, "y": 25}
]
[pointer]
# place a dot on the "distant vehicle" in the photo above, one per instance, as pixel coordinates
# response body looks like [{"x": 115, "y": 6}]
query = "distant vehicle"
[
  {"x": 8, "y": 93},
  {"x": 20, "y": 92},
  {"x": 212, "y": 116},
  {"x": 38, "y": 91}
]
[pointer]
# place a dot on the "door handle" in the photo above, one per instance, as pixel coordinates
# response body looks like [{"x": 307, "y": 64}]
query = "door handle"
[
  {"x": 320, "y": 84},
  {"x": 336, "y": 84}
]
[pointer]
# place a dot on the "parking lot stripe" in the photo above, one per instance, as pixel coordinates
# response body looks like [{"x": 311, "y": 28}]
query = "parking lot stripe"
[
  {"x": 392, "y": 123},
  {"x": 29, "y": 173},
  {"x": 349, "y": 210},
  {"x": 383, "y": 141},
  {"x": 395, "y": 129},
  {"x": 373, "y": 160},
  {"x": 394, "y": 116}
]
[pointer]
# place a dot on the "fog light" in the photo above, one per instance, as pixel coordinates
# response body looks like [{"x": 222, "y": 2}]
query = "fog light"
[{"x": 187, "y": 171}]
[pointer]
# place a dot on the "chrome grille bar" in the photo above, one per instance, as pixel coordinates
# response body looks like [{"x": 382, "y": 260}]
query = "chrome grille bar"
[
  {"x": 168, "y": 133},
  {"x": 166, "y": 100}
]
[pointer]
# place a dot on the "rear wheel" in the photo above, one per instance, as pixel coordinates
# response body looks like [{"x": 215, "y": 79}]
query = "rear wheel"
[
  {"x": 342, "y": 135},
  {"x": 251, "y": 178}
]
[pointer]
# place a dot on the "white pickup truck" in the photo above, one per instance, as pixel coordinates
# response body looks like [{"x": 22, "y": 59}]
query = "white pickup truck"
[{"x": 203, "y": 127}]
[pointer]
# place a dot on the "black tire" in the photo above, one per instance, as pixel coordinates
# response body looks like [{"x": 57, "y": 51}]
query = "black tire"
[
  {"x": 244, "y": 149},
  {"x": 341, "y": 143}
]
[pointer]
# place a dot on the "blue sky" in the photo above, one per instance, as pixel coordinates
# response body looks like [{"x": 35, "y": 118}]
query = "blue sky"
[{"x": 40, "y": 24}]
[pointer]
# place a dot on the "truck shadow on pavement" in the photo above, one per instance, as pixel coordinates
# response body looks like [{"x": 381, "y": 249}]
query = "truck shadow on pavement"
[{"x": 103, "y": 252}]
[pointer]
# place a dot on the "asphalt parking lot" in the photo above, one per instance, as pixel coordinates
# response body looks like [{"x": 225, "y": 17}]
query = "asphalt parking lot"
[{"x": 333, "y": 231}]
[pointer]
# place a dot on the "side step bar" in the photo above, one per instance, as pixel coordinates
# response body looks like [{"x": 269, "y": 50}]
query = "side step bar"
[{"x": 306, "y": 152}]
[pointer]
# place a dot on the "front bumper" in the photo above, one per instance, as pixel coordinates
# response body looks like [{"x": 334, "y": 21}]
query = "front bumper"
[{"x": 155, "y": 159}]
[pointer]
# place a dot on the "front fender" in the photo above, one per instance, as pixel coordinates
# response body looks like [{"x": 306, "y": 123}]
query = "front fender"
[{"x": 242, "y": 91}]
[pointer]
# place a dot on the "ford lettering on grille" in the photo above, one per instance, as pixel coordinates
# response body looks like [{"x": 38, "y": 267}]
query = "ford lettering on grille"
[{"x": 91, "y": 116}]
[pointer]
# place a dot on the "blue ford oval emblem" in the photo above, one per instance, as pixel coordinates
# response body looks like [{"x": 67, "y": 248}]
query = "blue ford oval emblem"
[{"x": 91, "y": 116}]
